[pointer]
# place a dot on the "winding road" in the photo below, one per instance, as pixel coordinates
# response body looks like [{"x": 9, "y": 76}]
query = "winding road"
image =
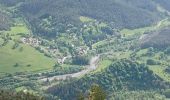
[{"x": 89, "y": 68}]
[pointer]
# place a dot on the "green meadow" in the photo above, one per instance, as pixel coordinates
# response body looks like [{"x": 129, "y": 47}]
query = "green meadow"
[{"x": 23, "y": 59}]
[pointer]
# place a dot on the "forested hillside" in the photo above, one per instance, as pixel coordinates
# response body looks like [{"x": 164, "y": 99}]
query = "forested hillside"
[
  {"x": 121, "y": 75},
  {"x": 59, "y": 14},
  {"x": 85, "y": 49}
]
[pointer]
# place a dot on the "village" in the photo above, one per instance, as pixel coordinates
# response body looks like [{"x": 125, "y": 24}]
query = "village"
[{"x": 51, "y": 52}]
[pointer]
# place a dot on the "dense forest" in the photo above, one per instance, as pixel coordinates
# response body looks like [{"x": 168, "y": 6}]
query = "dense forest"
[{"x": 49, "y": 16}]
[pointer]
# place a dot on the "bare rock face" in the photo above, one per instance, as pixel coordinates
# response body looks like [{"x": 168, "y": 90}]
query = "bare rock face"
[{"x": 157, "y": 39}]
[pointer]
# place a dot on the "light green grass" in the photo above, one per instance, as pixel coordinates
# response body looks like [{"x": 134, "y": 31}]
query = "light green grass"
[
  {"x": 18, "y": 29},
  {"x": 121, "y": 55},
  {"x": 106, "y": 62},
  {"x": 143, "y": 51},
  {"x": 100, "y": 43},
  {"x": 19, "y": 89},
  {"x": 102, "y": 65},
  {"x": 85, "y": 19},
  {"x": 29, "y": 56},
  {"x": 128, "y": 32},
  {"x": 103, "y": 24},
  {"x": 103, "y": 42},
  {"x": 159, "y": 25},
  {"x": 157, "y": 69},
  {"x": 160, "y": 71}
]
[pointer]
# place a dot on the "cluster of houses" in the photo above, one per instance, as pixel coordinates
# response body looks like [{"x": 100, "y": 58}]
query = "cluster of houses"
[
  {"x": 81, "y": 50},
  {"x": 36, "y": 43},
  {"x": 31, "y": 41}
]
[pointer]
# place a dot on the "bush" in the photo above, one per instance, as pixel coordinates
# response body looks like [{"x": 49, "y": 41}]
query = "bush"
[
  {"x": 152, "y": 62},
  {"x": 167, "y": 51},
  {"x": 15, "y": 45},
  {"x": 16, "y": 65},
  {"x": 167, "y": 93}
]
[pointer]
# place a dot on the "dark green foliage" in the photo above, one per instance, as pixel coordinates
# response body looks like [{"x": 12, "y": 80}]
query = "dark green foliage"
[
  {"x": 157, "y": 39},
  {"x": 21, "y": 49},
  {"x": 57, "y": 65},
  {"x": 16, "y": 65},
  {"x": 81, "y": 60},
  {"x": 8, "y": 95},
  {"x": 107, "y": 30},
  {"x": 151, "y": 62},
  {"x": 137, "y": 95},
  {"x": 61, "y": 71},
  {"x": 5, "y": 21},
  {"x": 93, "y": 37},
  {"x": 15, "y": 45},
  {"x": 51, "y": 17},
  {"x": 167, "y": 93},
  {"x": 80, "y": 96},
  {"x": 167, "y": 51},
  {"x": 123, "y": 74},
  {"x": 167, "y": 69},
  {"x": 29, "y": 65},
  {"x": 97, "y": 93}
]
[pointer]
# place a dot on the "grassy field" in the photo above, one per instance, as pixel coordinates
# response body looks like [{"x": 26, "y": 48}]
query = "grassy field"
[
  {"x": 24, "y": 58},
  {"x": 18, "y": 29},
  {"x": 160, "y": 71},
  {"x": 157, "y": 69},
  {"x": 85, "y": 19},
  {"x": 27, "y": 60},
  {"x": 103, "y": 42},
  {"x": 102, "y": 65}
]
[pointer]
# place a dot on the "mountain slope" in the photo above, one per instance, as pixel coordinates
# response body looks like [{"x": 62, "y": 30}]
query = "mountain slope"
[{"x": 60, "y": 13}]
